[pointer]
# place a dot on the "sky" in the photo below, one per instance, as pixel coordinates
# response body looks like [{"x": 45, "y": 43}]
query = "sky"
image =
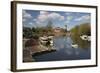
[{"x": 40, "y": 18}]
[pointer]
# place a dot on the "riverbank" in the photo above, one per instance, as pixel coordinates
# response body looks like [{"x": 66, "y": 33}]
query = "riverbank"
[{"x": 34, "y": 49}]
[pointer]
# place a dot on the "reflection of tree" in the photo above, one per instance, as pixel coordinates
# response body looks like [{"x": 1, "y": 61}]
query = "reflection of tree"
[
  {"x": 82, "y": 29},
  {"x": 75, "y": 33}
]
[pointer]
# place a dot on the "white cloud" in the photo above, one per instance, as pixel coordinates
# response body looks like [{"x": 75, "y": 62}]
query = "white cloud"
[
  {"x": 38, "y": 23},
  {"x": 45, "y": 16},
  {"x": 62, "y": 17},
  {"x": 34, "y": 19},
  {"x": 24, "y": 19},
  {"x": 56, "y": 16},
  {"x": 66, "y": 22},
  {"x": 30, "y": 23},
  {"x": 67, "y": 13},
  {"x": 26, "y": 15},
  {"x": 85, "y": 17},
  {"x": 44, "y": 12},
  {"x": 42, "y": 18},
  {"x": 68, "y": 19}
]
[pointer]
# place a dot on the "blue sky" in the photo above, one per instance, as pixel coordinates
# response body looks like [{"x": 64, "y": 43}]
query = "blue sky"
[{"x": 34, "y": 18}]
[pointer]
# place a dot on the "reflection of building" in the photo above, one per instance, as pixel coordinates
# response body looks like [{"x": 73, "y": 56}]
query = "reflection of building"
[
  {"x": 57, "y": 30},
  {"x": 61, "y": 32},
  {"x": 68, "y": 33}
]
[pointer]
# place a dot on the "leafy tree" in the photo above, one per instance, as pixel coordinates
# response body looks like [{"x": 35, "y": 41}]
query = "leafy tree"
[
  {"x": 49, "y": 28},
  {"x": 27, "y": 32},
  {"x": 49, "y": 25},
  {"x": 66, "y": 28},
  {"x": 85, "y": 29},
  {"x": 82, "y": 29}
]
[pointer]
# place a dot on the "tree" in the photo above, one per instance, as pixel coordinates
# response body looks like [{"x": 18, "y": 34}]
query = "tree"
[
  {"x": 27, "y": 32},
  {"x": 85, "y": 29},
  {"x": 49, "y": 28},
  {"x": 49, "y": 25},
  {"x": 33, "y": 29},
  {"x": 65, "y": 28},
  {"x": 82, "y": 29}
]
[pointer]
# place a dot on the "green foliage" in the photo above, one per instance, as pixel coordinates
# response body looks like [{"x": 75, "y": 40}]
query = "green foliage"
[
  {"x": 82, "y": 29},
  {"x": 35, "y": 36},
  {"x": 66, "y": 28},
  {"x": 30, "y": 33},
  {"x": 49, "y": 25},
  {"x": 27, "y": 33},
  {"x": 37, "y": 32},
  {"x": 85, "y": 29}
]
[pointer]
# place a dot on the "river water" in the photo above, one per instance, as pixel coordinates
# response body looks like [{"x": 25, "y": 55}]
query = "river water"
[{"x": 65, "y": 51}]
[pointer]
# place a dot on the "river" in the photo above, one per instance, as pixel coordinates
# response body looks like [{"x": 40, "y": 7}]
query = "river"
[{"x": 65, "y": 51}]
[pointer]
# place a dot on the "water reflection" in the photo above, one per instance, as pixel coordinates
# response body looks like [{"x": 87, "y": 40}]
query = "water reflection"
[
  {"x": 65, "y": 43},
  {"x": 66, "y": 50},
  {"x": 82, "y": 43}
]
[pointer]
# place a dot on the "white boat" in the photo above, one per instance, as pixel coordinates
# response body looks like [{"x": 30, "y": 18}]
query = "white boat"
[
  {"x": 51, "y": 43},
  {"x": 45, "y": 39},
  {"x": 74, "y": 45},
  {"x": 85, "y": 37},
  {"x": 89, "y": 38},
  {"x": 50, "y": 37}
]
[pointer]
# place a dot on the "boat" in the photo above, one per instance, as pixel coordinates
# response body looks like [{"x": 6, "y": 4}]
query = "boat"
[
  {"x": 74, "y": 45},
  {"x": 51, "y": 43},
  {"x": 85, "y": 37}
]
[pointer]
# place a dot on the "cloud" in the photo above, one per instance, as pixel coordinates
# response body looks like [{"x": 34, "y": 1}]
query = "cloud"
[
  {"x": 68, "y": 19},
  {"x": 42, "y": 18},
  {"x": 44, "y": 12},
  {"x": 34, "y": 19},
  {"x": 56, "y": 16},
  {"x": 39, "y": 24},
  {"x": 45, "y": 16},
  {"x": 27, "y": 19},
  {"x": 26, "y": 15},
  {"x": 85, "y": 17},
  {"x": 24, "y": 20},
  {"x": 53, "y": 15},
  {"x": 68, "y": 13},
  {"x": 30, "y": 23}
]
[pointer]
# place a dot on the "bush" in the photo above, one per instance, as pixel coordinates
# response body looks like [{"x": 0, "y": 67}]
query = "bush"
[
  {"x": 35, "y": 36},
  {"x": 82, "y": 29}
]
